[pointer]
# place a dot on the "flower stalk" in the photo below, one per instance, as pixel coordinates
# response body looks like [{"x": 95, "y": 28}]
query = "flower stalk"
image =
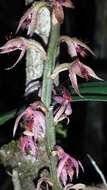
[{"x": 46, "y": 98}]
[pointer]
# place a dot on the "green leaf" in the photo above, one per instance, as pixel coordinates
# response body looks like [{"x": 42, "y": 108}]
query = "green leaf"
[
  {"x": 91, "y": 91},
  {"x": 10, "y": 115},
  {"x": 7, "y": 116}
]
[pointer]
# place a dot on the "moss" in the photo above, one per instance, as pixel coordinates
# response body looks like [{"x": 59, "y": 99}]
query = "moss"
[{"x": 27, "y": 166}]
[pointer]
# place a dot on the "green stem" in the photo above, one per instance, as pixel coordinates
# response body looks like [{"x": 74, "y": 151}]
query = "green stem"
[
  {"x": 49, "y": 66},
  {"x": 47, "y": 97}
]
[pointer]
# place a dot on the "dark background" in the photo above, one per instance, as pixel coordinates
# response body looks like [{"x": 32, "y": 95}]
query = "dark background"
[{"x": 87, "y": 131}]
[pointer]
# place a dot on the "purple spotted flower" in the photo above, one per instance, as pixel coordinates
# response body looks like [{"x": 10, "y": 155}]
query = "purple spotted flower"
[
  {"x": 30, "y": 18},
  {"x": 81, "y": 70},
  {"x": 75, "y": 68},
  {"x": 33, "y": 121},
  {"x": 67, "y": 165},
  {"x": 75, "y": 46}
]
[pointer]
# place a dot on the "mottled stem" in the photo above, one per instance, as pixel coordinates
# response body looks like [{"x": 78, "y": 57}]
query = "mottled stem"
[{"x": 47, "y": 97}]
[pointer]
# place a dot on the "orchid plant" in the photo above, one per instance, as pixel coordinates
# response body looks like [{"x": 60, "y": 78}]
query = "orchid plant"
[{"x": 39, "y": 163}]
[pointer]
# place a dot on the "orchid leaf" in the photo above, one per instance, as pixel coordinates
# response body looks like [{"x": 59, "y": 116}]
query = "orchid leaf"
[
  {"x": 91, "y": 91},
  {"x": 10, "y": 115},
  {"x": 7, "y": 116}
]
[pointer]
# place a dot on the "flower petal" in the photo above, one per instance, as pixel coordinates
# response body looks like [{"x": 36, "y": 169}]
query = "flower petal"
[
  {"x": 27, "y": 144},
  {"x": 18, "y": 60},
  {"x": 77, "y": 186},
  {"x": 74, "y": 164},
  {"x": 17, "y": 122},
  {"x": 41, "y": 180},
  {"x": 58, "y": 12},
  {"x": 73, "y": 80},
  {"x": 64, "y": 176},
  {"x": 73, "y": 44},
  {"x": 58, "y": 99},
  {"x": 89, "y": 71},
  {"x": 59, "y": 69},
  {"x": 12, "y": 45},
  {"x": 67, "y": 165},
  {"x": 61, "y": 165},
  {"x": 40, "y": 117},
  {"x": 68, "y": 110},
  {"x": 21, "y": 43},
  {"x": 33, "y": 23},
  {"x": 39, "y": 125},
  {"x": 68, "y": 3},
  {"x": 80, "y": 43},
  {"x": 59, "y": 114},
  {"x": 24, "y": 18},
  {"x": 29, "y": 19}
]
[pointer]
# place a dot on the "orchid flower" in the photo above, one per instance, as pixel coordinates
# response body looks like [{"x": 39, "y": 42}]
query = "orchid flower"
[
  {"x": 83, "y": 71},
  {"x": 30, "y": 18},
  {"x": 37, "y": 125},
  {"x": 41, "y": 180},
  {"x": 34, "y": 121},
  {"x": 67, "y": 165},
  {"x": 75, "y": 68},
  {"x": 64, "y": 109},
  {"x": 58, "y": 14},
  {"x": 27, "y": 145},
  {"x": 22, "y": 44},
  {"x": 75, "y": 46}
]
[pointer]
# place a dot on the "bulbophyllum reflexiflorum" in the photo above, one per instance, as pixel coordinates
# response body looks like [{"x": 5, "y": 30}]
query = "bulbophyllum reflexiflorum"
[
  {"x": 75, "y": 46},
  {"x": 76, "y": 68},
  {"x": 34, "y": 127},
  {"x": 64, "y": 109},
  {"x": 30, "y": 18},
  {"x": 67, "y": 165},
  {"x": 22, "y": 44},
  {"x": 34, "y": 120},
  {"x": 38, "y": 121}
]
